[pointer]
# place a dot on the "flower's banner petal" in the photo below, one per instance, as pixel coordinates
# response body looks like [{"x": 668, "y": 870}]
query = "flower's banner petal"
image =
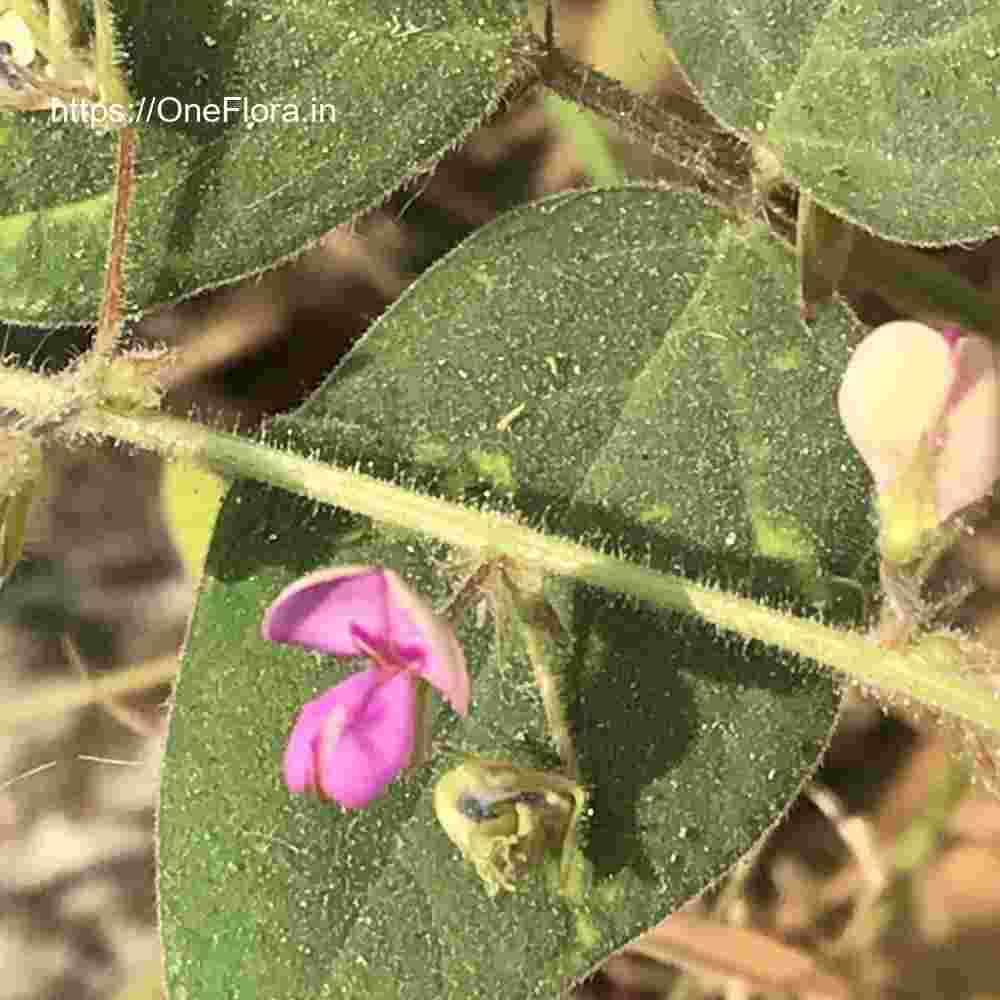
[
  {"x": 332, "y": 609},
  {"x": 402, "y": 81},
  {"x": 884, "y": 112},
  {"x": 324, "y": 609},
  {"x": 621, "y": 366},
  {"x": 300, "y": 755},
  {"x": 372, "y": 746}
]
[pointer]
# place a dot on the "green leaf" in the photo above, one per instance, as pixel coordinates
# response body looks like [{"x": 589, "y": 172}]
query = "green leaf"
[
  {"x": 216, "y": 201},
  {"x": 191, "y": 499},
  {"x": 624, "y": 367},
  {"x": 885, "y": 112}
]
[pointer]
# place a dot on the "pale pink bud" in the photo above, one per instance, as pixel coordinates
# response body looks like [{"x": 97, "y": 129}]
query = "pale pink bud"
[{"x": 923, "y": 410}]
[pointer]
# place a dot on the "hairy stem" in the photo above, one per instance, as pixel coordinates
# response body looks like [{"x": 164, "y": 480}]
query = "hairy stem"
[
  {"x": 110, "y": 321},
  {"x": 717, "y": 162},
  {"x": 36, "y": 398},
  {"x": 720, "y": 163},
  {"x": 64, "y": 696}
]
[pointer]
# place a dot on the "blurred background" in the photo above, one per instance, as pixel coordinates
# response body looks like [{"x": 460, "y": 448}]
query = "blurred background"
[{"x": 882, "y": 881}]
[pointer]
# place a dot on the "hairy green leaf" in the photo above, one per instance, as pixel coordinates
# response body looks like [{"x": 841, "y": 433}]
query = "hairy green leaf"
[
  {"x": 885, "y": 112},
  {"x": 623, "y": 367},
  {"x": 321, "y": 109}
]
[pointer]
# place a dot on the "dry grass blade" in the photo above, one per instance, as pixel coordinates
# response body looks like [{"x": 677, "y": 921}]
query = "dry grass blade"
[
  {"x": 857, "y": 834},
  {"x": 54, "y": 699},
  {"x": 28, "y": 774},
  {"x": 129, "y": 718},
  {"x": 739, "y": 955}
]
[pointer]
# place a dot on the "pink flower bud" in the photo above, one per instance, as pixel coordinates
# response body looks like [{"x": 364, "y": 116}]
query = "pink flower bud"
[{"x": 923, "y": 410}]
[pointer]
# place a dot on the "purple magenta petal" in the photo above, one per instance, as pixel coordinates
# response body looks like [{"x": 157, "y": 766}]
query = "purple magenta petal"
[
  {"x": 428, "y": 644},
  {"x": 352, "y": 610},
  {"x": 300, "y": 756},
  {"x": 360, "y": 752},
  {"x": 320, "y": 610}
]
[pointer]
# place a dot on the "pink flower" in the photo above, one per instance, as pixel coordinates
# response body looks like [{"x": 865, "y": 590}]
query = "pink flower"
[
  {"x": 356, "y": 737},
  {"x": 923, "y": 410}
]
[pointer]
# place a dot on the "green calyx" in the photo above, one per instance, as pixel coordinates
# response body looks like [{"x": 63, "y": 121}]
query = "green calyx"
[{"x": 508, "y": 820}]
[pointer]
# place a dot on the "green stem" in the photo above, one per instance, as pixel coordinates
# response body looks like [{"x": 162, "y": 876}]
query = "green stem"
[
  {"x": 111, "y": 85},
  {"x": 43, "y": 400},
  {"x": 555, "y": 714}
]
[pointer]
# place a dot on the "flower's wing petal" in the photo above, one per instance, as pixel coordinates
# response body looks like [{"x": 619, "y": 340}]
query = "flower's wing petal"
[
  {"x": 427, "y": 643},
  {"x": 969, "y": 462},
  {"x": 324, "y": 610},
  {"x": 358, "y": 757},
  {"x": 893, "y": 392},
  {"x": 300, "y": 755},
  {"x": 444, "y": 667}
]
